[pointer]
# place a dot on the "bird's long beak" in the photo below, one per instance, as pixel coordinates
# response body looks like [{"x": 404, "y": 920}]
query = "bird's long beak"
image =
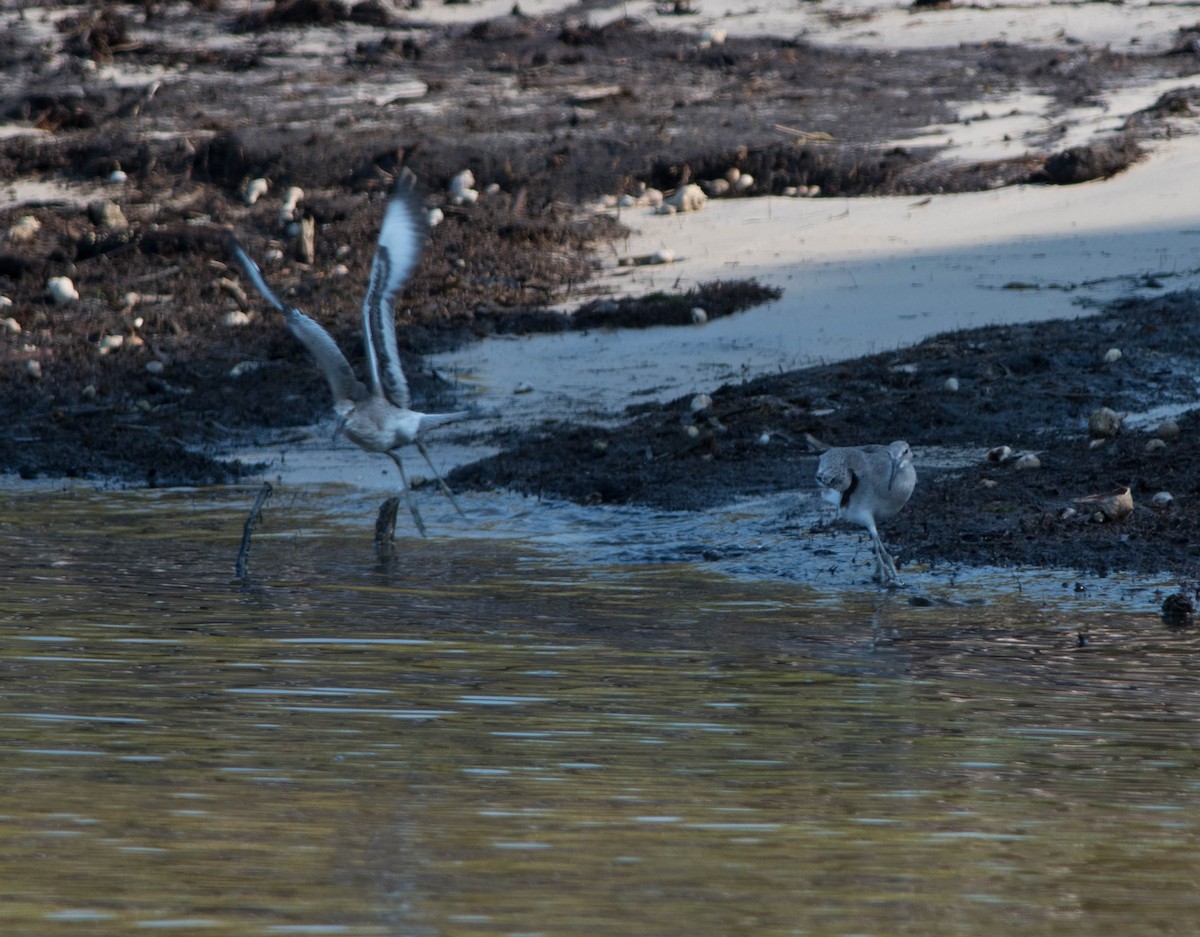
[{"x": 895, "y": 469}]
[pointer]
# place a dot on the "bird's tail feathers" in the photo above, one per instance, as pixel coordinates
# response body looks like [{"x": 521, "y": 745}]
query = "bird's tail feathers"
[{"x": 430, "y": 420}]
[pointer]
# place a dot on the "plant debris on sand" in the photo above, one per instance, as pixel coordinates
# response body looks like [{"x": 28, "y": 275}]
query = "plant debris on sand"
[{"x": 146, "y": 121}]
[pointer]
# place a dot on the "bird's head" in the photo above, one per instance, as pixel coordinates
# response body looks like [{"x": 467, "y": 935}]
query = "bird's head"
[{"x": 901, "y": 456}]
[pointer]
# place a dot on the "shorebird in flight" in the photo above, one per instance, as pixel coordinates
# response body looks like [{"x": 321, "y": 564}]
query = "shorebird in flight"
[
  {"x": 377, "y": 416},
  {"x": 869, "y": 484}
]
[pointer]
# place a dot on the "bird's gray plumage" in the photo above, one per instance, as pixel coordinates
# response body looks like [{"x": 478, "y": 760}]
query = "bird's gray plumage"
[{"x": 869, "y": 484}]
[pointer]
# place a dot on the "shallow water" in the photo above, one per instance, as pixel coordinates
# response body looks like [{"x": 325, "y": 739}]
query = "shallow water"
[{"x": 492, "y": 735}]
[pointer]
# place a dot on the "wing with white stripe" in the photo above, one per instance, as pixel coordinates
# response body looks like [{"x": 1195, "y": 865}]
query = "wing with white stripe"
[
  {"x": 329, "y": 358},
  {"x": 401, "y": 237}
]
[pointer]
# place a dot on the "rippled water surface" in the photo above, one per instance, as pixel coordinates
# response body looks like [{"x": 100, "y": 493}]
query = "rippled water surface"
[{"x": 484, "y": 735}]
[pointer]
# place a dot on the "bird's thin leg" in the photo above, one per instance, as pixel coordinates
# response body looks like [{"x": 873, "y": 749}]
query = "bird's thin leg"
[
  {"x": 885, "y": 569},
  {"x": 441, "y": 483},
  {"x": 412, "y": 506}
]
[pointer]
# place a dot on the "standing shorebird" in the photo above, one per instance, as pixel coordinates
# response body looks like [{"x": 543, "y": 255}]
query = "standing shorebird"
[
  {"x": 376, "y": 416},
  {"x": 869, "y": 484}
]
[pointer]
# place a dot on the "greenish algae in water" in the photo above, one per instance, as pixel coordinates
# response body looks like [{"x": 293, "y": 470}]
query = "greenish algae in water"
[{"x": 479, "y": 737}]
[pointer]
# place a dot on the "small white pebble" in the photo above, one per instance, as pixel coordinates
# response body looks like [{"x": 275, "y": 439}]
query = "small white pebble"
[
  {"x": 745, "y": 182},
  {"x": 341, "y": 270},
  {"x": 988, "y": 483},
  {"x": 627, "y": 201},
  {"x": 692, "y": 432},
  {"x": 255, "y": 189},
  {"x": 951, "y": 384},
  {"x": 1028, "y": 461},
  {"x": 23, "y": 229},
  {"x": 764, "y": 439},
  {"x": 701, "y": 402},
  {"x": 1161, "y": 499},
  {"x": 12, "y": 326},
  {"x": 235, "y": 319},
  {"x": 117, "y": 176},
  {"x": 791, "y": 191},
  {"x": 62, "y": 289},
  {"x": 435, "y": 217},
  {"x": 5, "y": 301},
  {"x": 291, "y": 199},
  {"x": 273, "y": 255},
  {"x": 1112, "y": 355},
  {"x": 699, "y": 316},
  {"x": 664, "y": 256},
  {"x": 89, "y": 392},
  {"x": 733, "y": 174},
  {"x": 713, "y": 36},
  {"x": 1155, "y": 446},
  {"x": 33, "y": 369},
  {"x": 111, "y": 343},
  {"x": 492, "y": 188}
]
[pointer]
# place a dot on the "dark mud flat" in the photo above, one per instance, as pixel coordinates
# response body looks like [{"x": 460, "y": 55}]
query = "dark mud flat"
[
  {"x": 549, "y": 114},
  {"x": 1031, "y": 387}
]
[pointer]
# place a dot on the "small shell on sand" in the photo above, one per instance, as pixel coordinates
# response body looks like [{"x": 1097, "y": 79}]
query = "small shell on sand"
[{"x": 255, "y": 189}]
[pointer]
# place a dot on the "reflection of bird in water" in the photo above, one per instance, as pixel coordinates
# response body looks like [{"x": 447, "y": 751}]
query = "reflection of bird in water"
[
  {"x": 869, "y": 484},
  {"x": 376, "y": 417}
]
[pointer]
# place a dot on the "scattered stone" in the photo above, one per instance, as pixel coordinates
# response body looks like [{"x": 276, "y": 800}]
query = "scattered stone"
[
  {"x": 1028, "y": 460},
  {"x": 435, "y": 217},
  {"x": 118, "y": 176},
  {"x": 764, "y": 439},
  {"x": 699, "y": 316},
  {"x": 22, "y": 230},
  {"x": 1162, "y": 499},
  {"x": 107, "y": 215},
  {"x": 89, "y": 392},
  {"x": 291, "y": 200},
  {"x": 999, "y": 454},
  {"x": 951, "y": 384},
  {"x": 235, "y": 319},
  {"x": 1104, "y": 422},
  {"x": 1177, "y": 610},
  {"x": 62, "y": 290},
  {"x": 461, "y": 189},
  {"x": 12, "y": 326},
  {"x": 686, "y": 198},
  {"x": 33, "y": 369},
  {"x": 1155, "y": 446},
  {"x": 1112, "y": 356},
  {"x": 1167, "y": 429},
  {"x": 155, "y": 367},
  {"x": 110, "y": 343},
  {"x": 523, "y": 388},
  {"x": 255, "y": 189},
  {"x": 700, "y": 402}
]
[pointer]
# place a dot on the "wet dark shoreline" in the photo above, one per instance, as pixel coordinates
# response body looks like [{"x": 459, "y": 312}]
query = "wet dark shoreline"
[{"x": 522, "y": 102}]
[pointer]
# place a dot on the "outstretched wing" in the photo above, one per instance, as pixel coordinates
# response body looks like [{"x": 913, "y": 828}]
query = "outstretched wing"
[
  {"x": 329, "y": 358},
  {"x": 401, "y": 237}
]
